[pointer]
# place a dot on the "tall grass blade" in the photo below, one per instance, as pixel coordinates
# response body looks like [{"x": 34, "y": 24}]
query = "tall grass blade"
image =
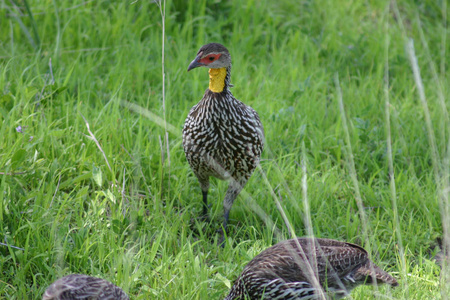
[
  {"x": 33, "y": 25},
  {"x": 352, "y": 169},
  {"x": 387, "y": 107},
  {"x": 24, "y": 28}
]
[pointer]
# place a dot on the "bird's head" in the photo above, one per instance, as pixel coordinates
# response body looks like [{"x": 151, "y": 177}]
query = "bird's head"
[{"x": 213, "y": 56}]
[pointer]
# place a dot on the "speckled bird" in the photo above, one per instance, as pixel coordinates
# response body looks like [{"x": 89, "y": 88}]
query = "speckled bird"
[
  {"x": 306, "y": 268},
  {"x": 83, "y": 287},
  {"x": 222, "y": 137}
]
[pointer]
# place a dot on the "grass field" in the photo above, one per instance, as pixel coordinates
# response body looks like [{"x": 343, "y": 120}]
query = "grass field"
[{"x": 77, "y": 73}]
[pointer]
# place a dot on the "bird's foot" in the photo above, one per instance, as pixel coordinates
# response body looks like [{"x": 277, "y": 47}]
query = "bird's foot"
[
  {"x": 204, "y": 218},
  {"x": 205, "y": 210},
  {"x": 222, "y": 239}
]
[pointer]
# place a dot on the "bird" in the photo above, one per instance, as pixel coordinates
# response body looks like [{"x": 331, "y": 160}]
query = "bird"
[
  {"x": 222, "y": 137},
  {"x": 307, "y": 268},
  {"x": 79, "y": 286}
]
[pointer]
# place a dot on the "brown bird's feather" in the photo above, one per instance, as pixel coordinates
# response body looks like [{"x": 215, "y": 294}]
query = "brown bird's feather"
[
  {"x": 83, "y": 287},
  {"x": 306, "y": 268}
]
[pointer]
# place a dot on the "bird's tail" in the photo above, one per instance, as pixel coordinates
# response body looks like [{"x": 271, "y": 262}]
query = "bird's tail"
[{"x": 370, "y": 271}]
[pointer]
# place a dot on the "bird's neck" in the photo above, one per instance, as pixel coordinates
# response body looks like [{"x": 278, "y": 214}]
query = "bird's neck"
[{"x": 217, "y": 79}]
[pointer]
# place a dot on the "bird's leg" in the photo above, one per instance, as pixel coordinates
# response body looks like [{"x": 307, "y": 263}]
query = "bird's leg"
[
  {"x": 234, "y": 188},
  {"x": 205, "y": 203},
  {"x": 204, "y": 185},
  {"x": 223, "y": 229}
]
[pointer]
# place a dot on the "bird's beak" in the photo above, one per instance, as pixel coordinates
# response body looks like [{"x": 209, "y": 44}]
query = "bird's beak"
[{"x": 195, "y": 63}]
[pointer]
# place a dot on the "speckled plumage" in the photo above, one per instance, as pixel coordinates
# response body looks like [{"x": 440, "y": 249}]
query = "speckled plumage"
[
  {"x": 83, "y": 287},
  {"x": 285, "y": 271},
  {"x": 222, "y": 137}
]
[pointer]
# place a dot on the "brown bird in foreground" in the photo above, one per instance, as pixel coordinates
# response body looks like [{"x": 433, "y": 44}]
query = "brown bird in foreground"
[
  {"x": 222, "y": 137},
  {"x": 306, "y": 268},
  {"x": 78, "y": 287}
]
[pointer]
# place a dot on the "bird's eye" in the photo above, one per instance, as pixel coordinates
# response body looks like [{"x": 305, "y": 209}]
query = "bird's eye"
[{"x": 210, "y": 58}]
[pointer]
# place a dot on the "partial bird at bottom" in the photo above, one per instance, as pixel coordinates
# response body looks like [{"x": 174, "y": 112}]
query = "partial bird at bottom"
[
  {"x": 77, "y": 287},
  {"x": 307, "y": 268}
]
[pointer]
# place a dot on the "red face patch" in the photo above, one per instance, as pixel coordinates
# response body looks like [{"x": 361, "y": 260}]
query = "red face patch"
[{"x": 210, "y": 58}]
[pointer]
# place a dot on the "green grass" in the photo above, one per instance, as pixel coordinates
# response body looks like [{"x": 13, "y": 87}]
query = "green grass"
[{"x": 135, "y": 222}]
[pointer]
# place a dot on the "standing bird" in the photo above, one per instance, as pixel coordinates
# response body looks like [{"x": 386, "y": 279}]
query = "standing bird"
[
  {"x": 83, "y": 287},
  {"x": 306, "y": 268},
  {"x": 222, "y": 137}
]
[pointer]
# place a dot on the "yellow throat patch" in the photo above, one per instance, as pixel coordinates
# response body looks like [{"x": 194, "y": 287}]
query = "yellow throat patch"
[{"x": 217, "y": 79}]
